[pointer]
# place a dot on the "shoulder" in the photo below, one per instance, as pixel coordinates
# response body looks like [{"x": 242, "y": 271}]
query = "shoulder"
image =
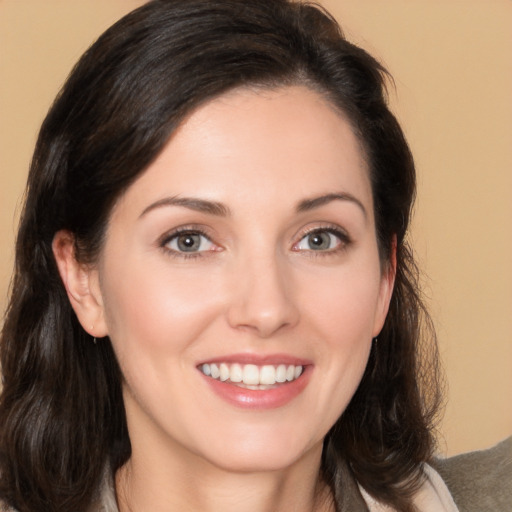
[{"x": 480, "y": 481}]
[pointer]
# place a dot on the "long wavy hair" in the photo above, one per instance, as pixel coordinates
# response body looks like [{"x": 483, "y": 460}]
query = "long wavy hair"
[{"x": 62, "y": 419}]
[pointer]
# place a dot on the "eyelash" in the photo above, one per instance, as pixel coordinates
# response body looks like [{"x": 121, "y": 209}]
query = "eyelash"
[
  {"x": 344, "y": 240},
  {"x": 340, "y": 234},
  {"x": 185, "y": 230}
]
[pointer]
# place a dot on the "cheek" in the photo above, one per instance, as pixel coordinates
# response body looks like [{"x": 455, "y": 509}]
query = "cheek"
[
  {"x": 343, "y": 303},
  {"x": 157, "y": 310},
  {"x": 342, "y": 310}
]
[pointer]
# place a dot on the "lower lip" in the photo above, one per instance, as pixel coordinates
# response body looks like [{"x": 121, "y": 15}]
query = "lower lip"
[{"x": 260, "y": 398}]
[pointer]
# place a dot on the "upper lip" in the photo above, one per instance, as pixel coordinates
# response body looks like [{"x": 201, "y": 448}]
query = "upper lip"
[{"x": 258, "y": 359}]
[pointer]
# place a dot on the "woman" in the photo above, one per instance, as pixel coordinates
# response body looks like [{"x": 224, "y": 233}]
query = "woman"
[{"x": 214, "y": 303}]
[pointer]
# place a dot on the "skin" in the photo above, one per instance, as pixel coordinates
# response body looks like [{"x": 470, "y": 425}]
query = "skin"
[{"x": 256, "y": 286}]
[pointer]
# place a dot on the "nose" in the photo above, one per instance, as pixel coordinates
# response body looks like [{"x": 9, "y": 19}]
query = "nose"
[{"x": 263, "y": 299}]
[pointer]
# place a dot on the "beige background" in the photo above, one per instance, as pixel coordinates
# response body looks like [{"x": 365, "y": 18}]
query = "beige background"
[{"x": 451, "y": 60}]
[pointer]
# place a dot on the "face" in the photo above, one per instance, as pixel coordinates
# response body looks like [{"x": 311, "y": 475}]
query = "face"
[{"x": 241, "y": 285}]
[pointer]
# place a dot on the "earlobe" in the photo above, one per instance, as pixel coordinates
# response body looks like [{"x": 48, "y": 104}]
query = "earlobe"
[{"x": 81, "y": 283}]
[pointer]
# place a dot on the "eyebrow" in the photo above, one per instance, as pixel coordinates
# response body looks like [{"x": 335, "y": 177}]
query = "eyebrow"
[
  {"x": 221, "y": 210},
  {"x": 316, "y": 202},
  {"x": 192, "y": 203}
]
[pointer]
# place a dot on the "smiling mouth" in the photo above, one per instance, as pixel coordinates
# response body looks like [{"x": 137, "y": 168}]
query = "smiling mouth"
[{"x": 252, "y": 376}]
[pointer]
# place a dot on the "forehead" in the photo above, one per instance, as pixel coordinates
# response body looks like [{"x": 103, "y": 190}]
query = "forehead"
[{"x": 257, "y": 146}]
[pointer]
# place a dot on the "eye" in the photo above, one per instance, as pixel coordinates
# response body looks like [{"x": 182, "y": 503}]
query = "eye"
[
  {"x": 189, "y": 242},
  {"x": 321, "y": 240}
]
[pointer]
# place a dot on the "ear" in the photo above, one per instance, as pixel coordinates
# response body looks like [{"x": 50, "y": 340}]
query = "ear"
[
  {"x": 387, "y": 284},
  {"x": 82, "y": 285}
]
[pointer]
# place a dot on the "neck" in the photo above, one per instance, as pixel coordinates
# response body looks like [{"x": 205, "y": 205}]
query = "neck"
[{"x": 202, "y": 487}]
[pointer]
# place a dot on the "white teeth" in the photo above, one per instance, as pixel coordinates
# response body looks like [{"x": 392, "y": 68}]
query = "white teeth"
[
  {"x": 281, "y": 373},
  {"x": 251, "y": 375},
  {"x": 267, "y": 375},
  {"x": 214, "y": 371},
  {"x": 236, "y": 373},
  {"x": 224, "y": 372}
]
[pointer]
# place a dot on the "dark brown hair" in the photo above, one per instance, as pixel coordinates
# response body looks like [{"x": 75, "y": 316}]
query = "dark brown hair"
[{"x": 62, "y": 417}]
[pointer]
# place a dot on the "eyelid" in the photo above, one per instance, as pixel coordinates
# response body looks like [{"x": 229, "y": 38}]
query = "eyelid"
[
  {"x": 164, "y": 241},
  {"x": 340, "y": 233}
]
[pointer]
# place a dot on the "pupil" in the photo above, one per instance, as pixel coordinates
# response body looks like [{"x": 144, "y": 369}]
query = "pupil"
[{"x": 188, "y": 243}]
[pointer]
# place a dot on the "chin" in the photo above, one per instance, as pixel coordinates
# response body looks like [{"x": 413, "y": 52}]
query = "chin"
[
  {"x": 250, "y": 463},
  {"x": 261, "y": 455}
]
